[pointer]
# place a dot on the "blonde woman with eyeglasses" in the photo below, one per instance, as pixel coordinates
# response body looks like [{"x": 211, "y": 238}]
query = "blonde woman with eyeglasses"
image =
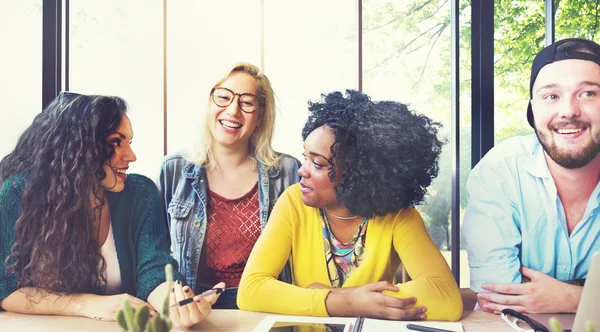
[{"x": 218, "y": 196}]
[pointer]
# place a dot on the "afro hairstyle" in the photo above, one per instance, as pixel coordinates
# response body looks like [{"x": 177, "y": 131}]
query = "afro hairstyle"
[{"x": 387, "y": 155}]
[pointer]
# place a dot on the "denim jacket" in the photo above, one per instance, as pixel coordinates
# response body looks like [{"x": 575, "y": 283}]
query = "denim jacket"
[{"x": 183, "y": 188}]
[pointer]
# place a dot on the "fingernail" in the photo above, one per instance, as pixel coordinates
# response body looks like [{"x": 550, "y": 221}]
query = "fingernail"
[
  {"x": 423, "y": 309},
  {"x": 422, "y": 317}
]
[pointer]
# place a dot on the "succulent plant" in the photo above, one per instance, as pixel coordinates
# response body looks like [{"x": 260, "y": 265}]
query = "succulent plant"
[
  {"x": 136, "y": 320},
  {"x": 555, "y": 325}
]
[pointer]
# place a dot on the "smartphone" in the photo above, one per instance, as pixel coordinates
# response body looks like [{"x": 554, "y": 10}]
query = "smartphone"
[{"x": 308, "y": 327}]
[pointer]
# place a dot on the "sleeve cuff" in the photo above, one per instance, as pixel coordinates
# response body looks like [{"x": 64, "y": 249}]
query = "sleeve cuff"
[{"x": 496, "y": 276}]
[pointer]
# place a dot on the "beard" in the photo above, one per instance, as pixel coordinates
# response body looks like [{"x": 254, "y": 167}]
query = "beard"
[{"x": 564, "y": 157}]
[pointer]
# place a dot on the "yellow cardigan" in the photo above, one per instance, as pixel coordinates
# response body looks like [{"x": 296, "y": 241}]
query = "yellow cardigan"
[{"x": 296, "y": 228}]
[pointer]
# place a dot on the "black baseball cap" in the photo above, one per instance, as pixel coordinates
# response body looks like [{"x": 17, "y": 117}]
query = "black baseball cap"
[{"x": 549, "y": 55}]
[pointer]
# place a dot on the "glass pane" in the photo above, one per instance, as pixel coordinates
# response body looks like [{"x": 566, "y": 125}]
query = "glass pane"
[
  {"x": 116, "y": 48},
  {"x": 519, "y": 35},
  {"x": 21, "y": 68},
  {"x": 465, "y": 129},
  {"x": 205, "y": 40},
  {"x": 305, "y": 60},
  {"x": 577, "y": 19},
  {"x": 407, "y": 59}
]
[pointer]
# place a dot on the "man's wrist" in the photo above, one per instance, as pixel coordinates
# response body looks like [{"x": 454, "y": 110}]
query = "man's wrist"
[{"x": 573, "y": 297}]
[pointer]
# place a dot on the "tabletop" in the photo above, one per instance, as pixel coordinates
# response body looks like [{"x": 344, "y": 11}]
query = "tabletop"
[{"x": 218, "y": 321}]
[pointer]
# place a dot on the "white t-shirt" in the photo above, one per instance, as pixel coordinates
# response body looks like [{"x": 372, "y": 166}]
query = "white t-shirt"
[{"x": 112, "y": 273}]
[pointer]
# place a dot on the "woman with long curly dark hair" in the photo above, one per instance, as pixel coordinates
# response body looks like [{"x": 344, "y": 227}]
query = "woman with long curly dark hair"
[
  {"x": 78, "y": 234},
  {"x": 351, "y": 220}
]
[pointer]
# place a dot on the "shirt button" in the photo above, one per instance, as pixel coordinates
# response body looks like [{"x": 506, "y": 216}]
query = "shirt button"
[{"x": 197, "y": 223}]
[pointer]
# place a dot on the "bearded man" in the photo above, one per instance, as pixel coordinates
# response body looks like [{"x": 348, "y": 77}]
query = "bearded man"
[{"x": 532, "y": 221}]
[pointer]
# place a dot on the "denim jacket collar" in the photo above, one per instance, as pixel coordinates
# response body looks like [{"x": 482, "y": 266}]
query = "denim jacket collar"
[
  {"x": 198, "y": 175},
  {"x": 185, "y": 186},
  {"x": 193, "y": 171}
]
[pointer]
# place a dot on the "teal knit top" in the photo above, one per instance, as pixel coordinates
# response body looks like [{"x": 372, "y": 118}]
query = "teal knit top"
[{"x": 140, "y": 233}]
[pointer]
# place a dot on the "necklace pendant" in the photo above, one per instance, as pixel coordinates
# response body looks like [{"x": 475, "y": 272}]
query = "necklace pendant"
[{"x": 359, "y": 249}]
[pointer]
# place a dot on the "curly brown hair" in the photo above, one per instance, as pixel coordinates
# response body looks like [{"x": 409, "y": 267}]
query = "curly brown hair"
[{"x": 62, "y": 154}]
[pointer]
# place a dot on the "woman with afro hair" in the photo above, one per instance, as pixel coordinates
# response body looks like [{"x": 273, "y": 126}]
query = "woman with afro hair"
[{"x": 351, "y": 220}]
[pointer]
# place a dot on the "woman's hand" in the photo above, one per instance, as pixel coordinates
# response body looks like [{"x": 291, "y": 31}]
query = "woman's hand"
[
  {"x": 191, "y": 313},
  {"x": 367, "y": 301},
  {"x": 105, "y": 307}
]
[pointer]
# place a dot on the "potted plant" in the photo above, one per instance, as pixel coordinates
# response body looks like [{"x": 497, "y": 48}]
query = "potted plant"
[
  {"x": 132, "y": 320},
  {"x": 555, "y": 325}
]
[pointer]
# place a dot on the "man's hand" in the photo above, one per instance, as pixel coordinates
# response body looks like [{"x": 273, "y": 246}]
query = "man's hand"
[{"x": 543, "y": 294}]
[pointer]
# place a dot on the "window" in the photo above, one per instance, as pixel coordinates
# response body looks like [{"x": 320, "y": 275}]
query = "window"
[
  {"x": 21, "y": 68},
  {"x": 204, "y": 41},
  {"x": 407, "y": 59},
  {"x": 305, "y": 60},
  {"x": 577, "y": 19},
  {"x": 116, "y": 49},
  {"x": 519, "y": 36}
]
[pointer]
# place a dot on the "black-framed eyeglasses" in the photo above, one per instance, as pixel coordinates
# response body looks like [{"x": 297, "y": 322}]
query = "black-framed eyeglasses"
[
  {"x": 223, "y": 97},
  {"x": 513, "y": 318}
]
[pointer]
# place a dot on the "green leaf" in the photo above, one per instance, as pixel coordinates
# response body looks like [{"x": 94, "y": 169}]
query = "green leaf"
[
  {"x": 555, "y": 325},
  {"x": 169, "y": 278},
  {"x": 120, "y": 318},
  {"x": 157, "y": 324},
  {"x": 589, "y": 326},
  {"x": 141, "y": 318},
  {"x": 150, "y": 326},
  {"x": 128, "y": 313}
]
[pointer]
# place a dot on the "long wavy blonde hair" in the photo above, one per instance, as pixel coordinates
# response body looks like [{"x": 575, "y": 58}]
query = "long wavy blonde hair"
[{"x": 260, "y": 149}]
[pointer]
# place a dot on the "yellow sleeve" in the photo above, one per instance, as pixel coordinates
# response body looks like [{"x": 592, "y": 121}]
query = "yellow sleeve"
[
  {"x": 432, "y": 281},
  {"x": 259, "y": 289}
]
